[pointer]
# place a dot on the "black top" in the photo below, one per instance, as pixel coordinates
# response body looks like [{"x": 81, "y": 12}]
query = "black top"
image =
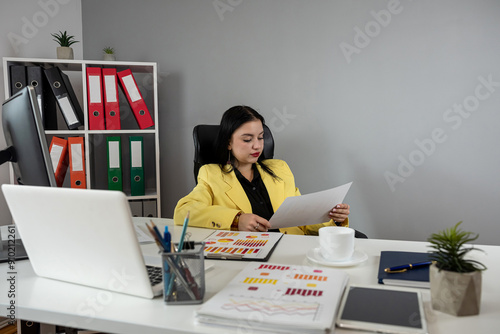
[{"x": 257, "y": 194}]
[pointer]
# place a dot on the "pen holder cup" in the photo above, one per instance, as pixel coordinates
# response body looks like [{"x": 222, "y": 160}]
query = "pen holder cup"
[{"x": 184, "y": 275}]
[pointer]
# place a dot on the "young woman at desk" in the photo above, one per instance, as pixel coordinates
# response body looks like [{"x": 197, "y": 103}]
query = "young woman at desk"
[{"x": 241, "y": 192}]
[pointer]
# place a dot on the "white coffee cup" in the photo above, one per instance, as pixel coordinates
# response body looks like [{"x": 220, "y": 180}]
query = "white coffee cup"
[{"x": 336, "y": 243}]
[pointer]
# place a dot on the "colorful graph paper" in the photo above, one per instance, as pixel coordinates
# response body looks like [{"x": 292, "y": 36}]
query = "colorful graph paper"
[
  {"x": 288, "y": 298},
  {"x": 247, "y": 245}
]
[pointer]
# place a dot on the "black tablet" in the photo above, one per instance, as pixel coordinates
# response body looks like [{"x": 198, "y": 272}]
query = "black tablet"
[{"x": 382, "y": 309}]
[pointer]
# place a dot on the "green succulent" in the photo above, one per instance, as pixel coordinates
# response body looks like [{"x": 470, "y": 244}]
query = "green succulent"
[
  {"x": 64, "y": 39},
  {"x": 449, "y": 250},
  {"x": 108, "y": 50}
]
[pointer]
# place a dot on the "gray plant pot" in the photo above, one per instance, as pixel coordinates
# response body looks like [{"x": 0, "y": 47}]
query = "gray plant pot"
[
  {"x": 108, "y": 57},
  {"x": 64, "y": 52},
  {"x": 455, "y": 293}
]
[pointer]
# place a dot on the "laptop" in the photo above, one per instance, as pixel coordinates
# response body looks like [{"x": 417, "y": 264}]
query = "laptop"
[{"x": 81, "y": 236}]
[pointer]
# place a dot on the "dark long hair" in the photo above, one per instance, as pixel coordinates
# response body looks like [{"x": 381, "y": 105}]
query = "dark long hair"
[{"x": 232, "y": 119}]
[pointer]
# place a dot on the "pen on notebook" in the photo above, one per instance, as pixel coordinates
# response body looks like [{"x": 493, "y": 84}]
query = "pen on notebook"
[{"x": 408, "y": 266}]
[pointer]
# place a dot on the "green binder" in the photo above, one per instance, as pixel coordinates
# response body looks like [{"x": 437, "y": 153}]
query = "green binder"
[
  {"x": 136, "y": 166},
  {"x": 115, "y": 180}
]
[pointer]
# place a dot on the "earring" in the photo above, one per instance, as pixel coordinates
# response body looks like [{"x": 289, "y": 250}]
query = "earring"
[{"x": 229, "y": 162}]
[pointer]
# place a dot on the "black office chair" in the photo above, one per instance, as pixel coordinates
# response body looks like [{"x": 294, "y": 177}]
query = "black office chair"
[{"x": 205, "y": 136}]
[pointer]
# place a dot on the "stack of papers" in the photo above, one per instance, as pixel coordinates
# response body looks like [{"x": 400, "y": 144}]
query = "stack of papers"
[{"x": 278, "y": 298}]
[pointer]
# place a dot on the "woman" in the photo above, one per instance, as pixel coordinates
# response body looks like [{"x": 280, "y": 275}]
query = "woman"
[{"x": 242, "y": 192}]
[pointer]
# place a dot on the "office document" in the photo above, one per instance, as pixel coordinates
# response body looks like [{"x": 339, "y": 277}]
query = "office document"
[
  {"x": 308, "y": 209},
  {"x": 111, "y": 102},
  {"x": 135, "y": 99},
  {"x": 280, "y": 297},
  {"x": 239, "y": 245},
  {"x": 77, "y": 162},
  {"x": 136, "y": 166},
  {"x": 115, "y": 179},
  {"x": 59, "y": 156},
  {"x": 95, "y": 103},
  {"x": 65, "y": 97}
]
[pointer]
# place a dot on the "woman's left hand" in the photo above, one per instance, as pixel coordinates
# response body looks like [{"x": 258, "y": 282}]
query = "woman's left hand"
[{"x": 339, "y": 212}]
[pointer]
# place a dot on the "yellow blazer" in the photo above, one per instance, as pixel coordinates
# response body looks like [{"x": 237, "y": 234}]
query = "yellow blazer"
[{"x": 219, "y": 197}]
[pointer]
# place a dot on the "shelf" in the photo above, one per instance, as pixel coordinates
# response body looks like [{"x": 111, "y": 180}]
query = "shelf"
[{"x": 145, "y": 74}]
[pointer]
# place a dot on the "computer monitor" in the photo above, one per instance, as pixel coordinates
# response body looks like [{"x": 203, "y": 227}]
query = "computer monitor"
[{"x": 27, "y": 147}]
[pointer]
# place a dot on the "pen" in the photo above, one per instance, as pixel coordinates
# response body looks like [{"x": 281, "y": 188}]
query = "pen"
[
  {"x": 155, "y": 236},
  {"x": 181, "y": 245},
  {"x": 224, "y": 256},
  {"x": 178, "y": 273},
  {"x": 160, "y": 238},
  {"x": 168, "y": 240},
  {"x": 405, "y": 267},
  {"x": 183, "y": 233}
]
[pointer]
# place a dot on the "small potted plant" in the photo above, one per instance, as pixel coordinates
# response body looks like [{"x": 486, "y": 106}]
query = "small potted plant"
[
  {"x": 109, "y": 53},
  {"x": 455, "y": 280},
  {"x": 64, "y": 51}
]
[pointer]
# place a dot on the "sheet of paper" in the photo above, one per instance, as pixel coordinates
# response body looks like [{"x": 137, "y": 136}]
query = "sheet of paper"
[
  {"x": 308, "y": 209},
  {"x": 241, "y": 245},
  {"x": 142, "y": 236},
  {"x": 277, "y": 297}
]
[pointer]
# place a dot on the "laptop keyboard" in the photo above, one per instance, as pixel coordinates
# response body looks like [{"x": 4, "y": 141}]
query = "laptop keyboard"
[{"x": 155, "y": 274}]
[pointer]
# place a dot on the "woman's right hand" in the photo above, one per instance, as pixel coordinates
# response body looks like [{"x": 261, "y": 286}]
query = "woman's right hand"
[{"x": 253, "y": 223}]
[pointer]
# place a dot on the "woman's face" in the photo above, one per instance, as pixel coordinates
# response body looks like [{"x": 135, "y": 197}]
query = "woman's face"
[{"x": 247, "y": 143}]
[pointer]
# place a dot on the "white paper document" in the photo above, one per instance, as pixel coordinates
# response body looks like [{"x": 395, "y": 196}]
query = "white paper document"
[
  {"x": 277, "y": 298},
  {"x": 142, "y": 236},
  {"x": 308, "y": 209}
]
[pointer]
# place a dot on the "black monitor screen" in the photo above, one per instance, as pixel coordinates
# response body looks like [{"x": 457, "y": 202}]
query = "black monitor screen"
[{"x": 24, "y": 133}]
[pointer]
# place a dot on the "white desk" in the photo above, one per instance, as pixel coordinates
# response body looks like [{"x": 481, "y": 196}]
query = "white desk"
[{"x": 66, "y": 304}]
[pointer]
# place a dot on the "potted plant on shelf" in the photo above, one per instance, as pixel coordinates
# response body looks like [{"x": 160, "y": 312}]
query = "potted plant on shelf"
[
  {"x": 455, "y": 280},
  {"x": 64, "y": 51},
  {"x": 109, "y": 53}
]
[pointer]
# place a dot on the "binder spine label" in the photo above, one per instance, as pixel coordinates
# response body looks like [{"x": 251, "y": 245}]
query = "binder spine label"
[
  {"x": 136, "y": 153},
  {"x": 110, "y": 86},
  {"x": 95, "y": 89},
  {"x": 114, "y": 154},
  {"x": 134, "y": 93},
  {"x": 66, "y": 107},
  {"x": 77, "y": 157},
  {"x": 56, "y": 154}
]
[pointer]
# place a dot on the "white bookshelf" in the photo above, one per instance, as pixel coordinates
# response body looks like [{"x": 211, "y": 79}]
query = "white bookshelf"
[{"x": 145, "y": 74}]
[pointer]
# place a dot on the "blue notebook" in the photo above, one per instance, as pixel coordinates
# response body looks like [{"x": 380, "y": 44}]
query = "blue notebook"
[{"x": 417, "y": 278}]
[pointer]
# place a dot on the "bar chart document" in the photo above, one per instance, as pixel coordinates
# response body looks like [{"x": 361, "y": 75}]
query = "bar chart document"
[{"x": 279, "y": 297}]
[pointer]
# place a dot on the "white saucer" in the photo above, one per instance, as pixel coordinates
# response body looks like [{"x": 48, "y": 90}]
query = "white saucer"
[{"x": 358, "y": 257}]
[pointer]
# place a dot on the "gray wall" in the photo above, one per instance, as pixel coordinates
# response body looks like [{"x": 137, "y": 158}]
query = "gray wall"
[
  {"x": 393, "y": 96},
  {"x": 25, "y": 27}
]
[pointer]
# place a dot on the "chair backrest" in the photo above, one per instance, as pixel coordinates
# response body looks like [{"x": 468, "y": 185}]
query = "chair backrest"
[{"x": 205, "y": 136}]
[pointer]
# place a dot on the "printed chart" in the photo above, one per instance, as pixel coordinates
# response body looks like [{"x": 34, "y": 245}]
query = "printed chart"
[
  {"x": 281, "y": 296},
  {"x": 241, "y": 245}
]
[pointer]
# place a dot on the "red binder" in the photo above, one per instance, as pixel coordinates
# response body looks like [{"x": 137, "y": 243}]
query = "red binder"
[
  {"x": 59, "y": 156},
  {"x": 77, "y": 162},
  {"x": 134, "y": 97},
  {"x": 94, "y": 99},
  {"x": 111, "y": 102}
]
